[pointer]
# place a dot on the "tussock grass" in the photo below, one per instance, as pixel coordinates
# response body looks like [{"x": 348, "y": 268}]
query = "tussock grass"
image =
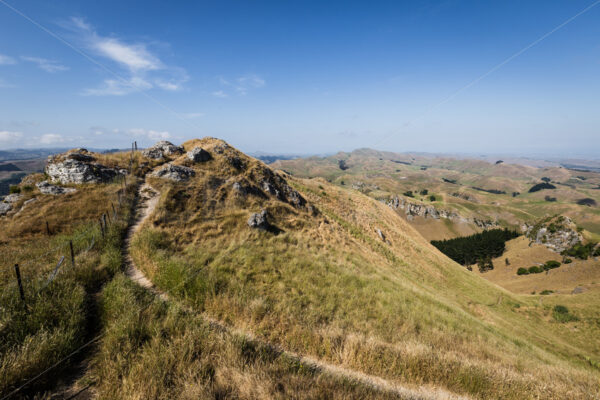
[
  {"x": 162, "y": 352},
  {"x": 57, "y": 316},
  {"x": 329, "y": 287}
]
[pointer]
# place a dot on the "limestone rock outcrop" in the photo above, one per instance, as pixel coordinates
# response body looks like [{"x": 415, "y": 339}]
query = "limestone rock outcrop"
[
  {"x": 47, "y": 188},
  {"x": 259, "y": 220},
  {"x": 557, "y": 233},
  {"x": 175, "y": 173},
  {"x": 78, "y": 166},
  {"x": 413, "y": 210},
  {"x": 162, "y": 149},
  {"x": 198, "y": 154}
]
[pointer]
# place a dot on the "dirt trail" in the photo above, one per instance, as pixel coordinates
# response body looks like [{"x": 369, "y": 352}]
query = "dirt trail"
[{"x": 147, "y": 201}]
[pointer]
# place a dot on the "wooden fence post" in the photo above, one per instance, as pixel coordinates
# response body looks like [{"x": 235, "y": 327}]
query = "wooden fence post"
[
  {"x": 72, "y": 253},
  {"x": 135, "y": 145},
  {"x": 21, "y": 291}
]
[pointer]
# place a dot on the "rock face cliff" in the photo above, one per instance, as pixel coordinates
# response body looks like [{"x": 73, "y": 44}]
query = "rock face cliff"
[
  {"x": 557, "y": 233},
  {"x": 428, "y": 211},
  {"x": 79, "y": 166}
]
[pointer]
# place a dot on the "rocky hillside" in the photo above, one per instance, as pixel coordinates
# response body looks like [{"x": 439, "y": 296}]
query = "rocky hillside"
[{"x": 557, "y": 233}]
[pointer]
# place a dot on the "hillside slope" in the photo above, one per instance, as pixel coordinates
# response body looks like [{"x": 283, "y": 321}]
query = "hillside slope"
[{"x": 340, "y": 277}]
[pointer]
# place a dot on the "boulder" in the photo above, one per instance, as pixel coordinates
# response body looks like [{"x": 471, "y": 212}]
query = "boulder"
[
  {"x": 47, "y": 188},
  {"x": 5, "y": 208},
  {"x": 76, "y": 170},
  {"x": 13, "y": 198},
  {"x": 175, "y": 173},
  {"x": 161, "y": 149},
  {"x": 259, "y": 221},
  {"x": 198, "y": 154}
]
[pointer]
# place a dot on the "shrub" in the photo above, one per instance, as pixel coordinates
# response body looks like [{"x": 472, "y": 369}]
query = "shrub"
[
  {"x": 551, "y": 265},
  {"x": 408, "y": 193},
  {"x": 535, "y": 270},
  {"x": 587, "y": 202},
  {"x": 581, "y": 251},
  {"x": 541, "y": 186},
  {"x": 546, "y": 292},
  {"x": 561, "y": 314},
  {"x": 424, "y": 192},
  {"x": 546, "y": 179},
  {"x": 14, "y": 189},
  {"x": 432, "y": 198},
  {"x": 567, "y": 261},
  {"x": 550, "y": 199},
  {"x": 27, "y": 188},
  {"x": 522, "y": 271}
]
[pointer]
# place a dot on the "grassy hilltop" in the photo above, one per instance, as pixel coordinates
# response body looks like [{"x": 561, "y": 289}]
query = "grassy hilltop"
[{"x": 338, "y": 277}]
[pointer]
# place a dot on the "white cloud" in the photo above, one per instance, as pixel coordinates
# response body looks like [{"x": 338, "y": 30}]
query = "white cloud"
[
  {"x": 150, "y": 134},
  {"x": 10, "y": 137},
  {"x": 113, "y": 87},
  {"x": 141, "y": 68},
  {"x": 242, "y": 85},
  {"x": 52, "y": 138},
  {"x": 219, "y": 93},
  {"x": 47, "y": 65},
  {"x": 135, "y": 57},
  {"x": 6, "y": 60}
]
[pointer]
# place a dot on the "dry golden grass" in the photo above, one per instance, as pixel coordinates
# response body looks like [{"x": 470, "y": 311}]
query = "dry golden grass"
[
  {"x": 580, "y": 273},
  {"x": 329, "y": 287}
]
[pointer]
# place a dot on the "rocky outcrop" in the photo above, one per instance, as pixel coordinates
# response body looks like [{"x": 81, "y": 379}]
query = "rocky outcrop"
[
  {"x": 13, "y": 198},
  {"x": 413, "y": 210},
  {"x": 557, "y": 233},
  {"x": 78, "y": 166},
  {"x": 162, "y": 149},
  {"x": 275, "y": 185},
  {"x": 47, "y": 188},
  {"x": 198, "y": 154},
  {"x": 464, "y": 196},
  {"x": 259, "y": 221},
  {"x": 5, "y": 208},
  {"x": 175, "y": 173}
]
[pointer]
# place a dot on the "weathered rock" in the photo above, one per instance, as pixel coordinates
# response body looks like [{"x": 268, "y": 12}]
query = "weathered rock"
[
  {"x": 47, "y": 188},
  {"x": 13, "y": 198},
  {"x": 75, "y": 171},
  {"x": 413, "y": 210},
  {"x": 276, "y": 186},
  {"x": 5, "y": 208},
  {"x": 80, "y": 155},
  {"x": 557, "y": 234},
  {"x": 198, "y": 154},
  {"x": 161, "y": 149},
  {"x": 176, "y": 173},
  {"x": 381, "y": 235},
  {"x": 259, "y": 220}
]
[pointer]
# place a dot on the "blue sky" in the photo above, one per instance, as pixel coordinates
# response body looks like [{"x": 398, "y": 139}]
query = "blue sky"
[{"x": 302, "y": 76}]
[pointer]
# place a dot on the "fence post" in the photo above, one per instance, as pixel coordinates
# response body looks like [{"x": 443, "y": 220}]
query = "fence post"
[
  {"x": 72, "y": 253},
  {"x": 104, "y": 219},
  {"x": 114, "y": 211},
  {"x": 101, "y": 228},
  {"x": 135, "y": 145},
  {"x": 21, "y": 291},
  {"x": 47, "y": 228}
]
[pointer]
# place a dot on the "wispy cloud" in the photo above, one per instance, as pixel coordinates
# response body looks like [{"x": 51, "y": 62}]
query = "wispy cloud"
[
  {"x": 10, "y": 137},
  {"x": 52, "y": 138},
  {"x": 47, "y": 65},
  {"x": 219, "y": 93},
  {"x": 241, "y": 85},
  {"x": 140, "y": 67},
  {"x": 150, "y": 134},
  {"x": 6, "y": 60}
]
